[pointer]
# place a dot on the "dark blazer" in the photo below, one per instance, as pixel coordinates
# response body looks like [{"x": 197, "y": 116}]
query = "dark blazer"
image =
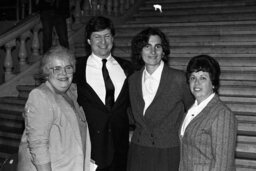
[
  {"x": 209, "y": 140},
  {"x": 160, "y": 124},
  {"x": 109, "y": 130}
]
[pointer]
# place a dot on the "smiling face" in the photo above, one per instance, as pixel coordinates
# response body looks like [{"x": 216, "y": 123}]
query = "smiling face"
[
  {"x": 101, "y": 43},
  {"x": 152, "y": 53},
  {"x": 200, "y": 85},
  {"x": 60, "y": 74}
]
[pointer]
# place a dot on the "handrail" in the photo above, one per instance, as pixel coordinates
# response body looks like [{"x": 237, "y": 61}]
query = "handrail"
[{"x": 19, "y": 28}]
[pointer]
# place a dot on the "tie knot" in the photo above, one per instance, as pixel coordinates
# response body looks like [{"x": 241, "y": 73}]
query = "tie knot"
[{"x": 104, "y": 61}]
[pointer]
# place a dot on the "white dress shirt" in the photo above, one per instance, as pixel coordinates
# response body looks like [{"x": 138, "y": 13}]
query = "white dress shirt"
[
  {"x": 95, "y": 79},
  {"x": 150, "y": 85},
  {"x": 194, "y": 111}
]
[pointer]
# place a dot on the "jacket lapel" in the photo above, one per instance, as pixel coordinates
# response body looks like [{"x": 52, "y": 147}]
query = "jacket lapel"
[
  {"x": 138, "y": 92},
  {"x": 81, "y": 80},
  {"x": 162, "y": 88},
  {"x": 163, "y": 83},
  {"x": 125, "y": 84},
  {"x": 206, "y": 111},
  {"x": 65, "y": 109}
]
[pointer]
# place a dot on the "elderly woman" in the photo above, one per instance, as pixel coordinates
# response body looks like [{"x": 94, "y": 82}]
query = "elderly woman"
[
  {"x": 56, "y": 137},
  {"x": 208, "y": 132},
  {"x": 159, "y": 97}
]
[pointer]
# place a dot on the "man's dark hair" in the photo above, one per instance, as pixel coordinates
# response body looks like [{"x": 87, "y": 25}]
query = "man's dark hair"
[{"x": 95, "y": 24}]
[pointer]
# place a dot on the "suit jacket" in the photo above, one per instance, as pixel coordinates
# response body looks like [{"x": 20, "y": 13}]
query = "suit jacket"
[
  {"x": 109, "y": 130},
  {"x": 160, "y": 124},
  {"x": 54, "y": 132},
  {"x": 209, "y": 140}
]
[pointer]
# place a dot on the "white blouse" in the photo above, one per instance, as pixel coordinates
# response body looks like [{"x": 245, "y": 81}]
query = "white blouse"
[{"x": 150, "y": 85}]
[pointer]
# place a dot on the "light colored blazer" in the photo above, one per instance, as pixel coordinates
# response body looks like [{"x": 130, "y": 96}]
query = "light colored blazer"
[
  {"x": 209, "y": 140},
  {"x": 54, "y": 132}
]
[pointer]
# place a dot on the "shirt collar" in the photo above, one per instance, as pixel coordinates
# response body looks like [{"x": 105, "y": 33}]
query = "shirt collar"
[
  {"x": 98, "y": 60},
  {"x": 156, "y": 75},
  {"x": 205, "y": 102}
]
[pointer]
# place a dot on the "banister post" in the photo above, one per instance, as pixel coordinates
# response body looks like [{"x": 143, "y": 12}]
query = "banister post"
[
  {"x": 23, "y": 55},
  {"x": 8, "y": 63},
  {"x": 35, "y": 44}
]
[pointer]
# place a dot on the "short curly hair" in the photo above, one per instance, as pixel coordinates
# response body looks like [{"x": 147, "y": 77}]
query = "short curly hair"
[
  {"x": 141, "y": 40},
  {"x": 208, "y": 64}
]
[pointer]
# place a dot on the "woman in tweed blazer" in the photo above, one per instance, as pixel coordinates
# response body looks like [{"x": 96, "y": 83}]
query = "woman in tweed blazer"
[{"x": 208, "y": 132}]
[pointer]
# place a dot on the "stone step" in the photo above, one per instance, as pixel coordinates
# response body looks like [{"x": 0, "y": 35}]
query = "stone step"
[
  {"x": 149, "y": 11},
  {"x": 246, "y": 127},
  {"x": 232, "y": 25},
  {"x": 11, "y": 123},
  {"x": 198, "y": 49},
  {"x": 14, "y": 100},
  {"x": 180, "y": 39},
  {"x": 167, "y": 4},
  {"x": 24, "y": 90},
  {"x": 193, "y": 18},
  {"x": 224, "y": 82},
  {"x": 11, "y": 107},
  {"x": 193, "y": 32},
  {"x": 242, "y": 107},
  {"x": 246, "y": 119},
  {"x": 237, "y": 75},
  {"x": 245, "y": 165},
  {"x": 12, "y": 135},
  {"x": 11, "y": 132},
  {"x": 201, "y": 45},
  {"x": 240, "y": 91},
  {"x": 10, "y": 141},
  {"x": 223, "y": 61},
  {"x": 245, "y": 150},
  {"x": 232, "y": 98},
  {"x": 11, "y": 115},
  {"x": 189, "y": 55}
]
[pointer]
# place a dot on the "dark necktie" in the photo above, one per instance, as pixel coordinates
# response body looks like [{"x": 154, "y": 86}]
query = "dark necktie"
[{"x": 110, "y": 89}]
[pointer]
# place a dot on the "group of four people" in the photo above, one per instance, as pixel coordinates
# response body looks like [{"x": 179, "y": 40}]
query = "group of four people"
[{"x": 179, "y": 121}]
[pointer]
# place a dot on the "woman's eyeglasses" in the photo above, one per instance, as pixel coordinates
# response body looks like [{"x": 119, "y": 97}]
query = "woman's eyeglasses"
[{"x": 59, "y": 70}]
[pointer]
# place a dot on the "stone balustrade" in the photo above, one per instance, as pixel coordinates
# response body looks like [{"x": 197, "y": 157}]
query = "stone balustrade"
[{"x": 15, "y": 47}]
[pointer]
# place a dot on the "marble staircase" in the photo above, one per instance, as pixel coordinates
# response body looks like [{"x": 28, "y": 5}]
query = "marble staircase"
[{"x": 224, "y": 29}]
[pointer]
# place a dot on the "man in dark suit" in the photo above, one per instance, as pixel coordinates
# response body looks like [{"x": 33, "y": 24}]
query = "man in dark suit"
[{"x": 103, "y": 93}]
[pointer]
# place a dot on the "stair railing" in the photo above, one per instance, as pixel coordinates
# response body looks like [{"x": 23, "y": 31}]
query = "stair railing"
[{"x": 15, "y": 47}]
